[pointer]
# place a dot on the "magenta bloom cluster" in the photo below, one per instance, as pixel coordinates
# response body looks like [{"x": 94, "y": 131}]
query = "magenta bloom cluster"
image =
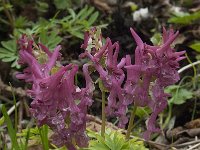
[
  {"x": 155, "y": 68},
  {"x": 62, "y": 105},
  {"x": 57, "y": 101}
]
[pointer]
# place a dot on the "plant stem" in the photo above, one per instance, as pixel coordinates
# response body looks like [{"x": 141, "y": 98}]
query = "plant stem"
[
  {"x": 8, "y": 13},
  {"x": 103, "y": 125},
  {"x": 168, "y": 116},
  {"x": 130, "y": 125},
  {"x": 194, "y": 108},
  {"x": 15, "y": 104}
]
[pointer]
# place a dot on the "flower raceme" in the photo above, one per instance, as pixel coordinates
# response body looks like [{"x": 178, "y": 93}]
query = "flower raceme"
[
  {"x": 110, "y": 71},
  {"x": 155, "y": 68},
  {"x": 57, "y": 101}
]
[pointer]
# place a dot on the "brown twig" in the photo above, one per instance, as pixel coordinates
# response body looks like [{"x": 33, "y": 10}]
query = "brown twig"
[
  {"x": 18, "y": 91},
  {"x": 6, "y": 99},
  {"x": 186, "y": 144}
]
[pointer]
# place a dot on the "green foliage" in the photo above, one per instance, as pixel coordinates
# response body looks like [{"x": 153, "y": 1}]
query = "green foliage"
[
  {"x": 5, "y": 6},
  {"x": 2, "y": 119},
  {"x": 8, "y": 52},
  {"x": 11, "y": 130},
  {"x": 195, "y": 46},
  {"x": 184, "y": 18},
  {"x": 20, "y": 140},
  {"x": 76, "y": 24},
  {"x": 142, "y": 112},
  {"x": 114, "y": 140},
  {"x": 42, "y": 6},
  {"x": 44, "y": 136},
  {"x": 51, "y": 40},
  {"x": 179, "y": 95},
  {"x": 156, "y": 39},
  {"x": 34, "y": 133},
  {"x": 48, "y": 30},
  {"x": 133, "y": 7},
  {"x": 60, "y": 4},
  {"x": 21, "y": 22}
]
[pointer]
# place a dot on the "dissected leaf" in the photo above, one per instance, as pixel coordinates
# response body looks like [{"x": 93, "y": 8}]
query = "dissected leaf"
[
  {"x": 114, "y": 140},
  {"x": 62, "y": 4},
  {"x": 195, "y": 46},
  {"x": 93, "y": 18},
  {"x": 156, "y": 39},
  {"x": 142, "y": 112},
  {"x": 51, "y": 40},
  {"x": 8, "y": 52},
  {"x": 179, "y": 95},
  {"x": 10, "y": 45},
  {"x": 184, "y": 18}
]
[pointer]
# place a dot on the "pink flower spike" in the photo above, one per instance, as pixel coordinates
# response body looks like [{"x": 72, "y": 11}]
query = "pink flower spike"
[
  {"x": 166, "y": 45},
  {"x": 53, "y": 57},
  {"x": 45, "y": 49},
  {"x": 133, "y": 72},
  {"x": 137, "y": 39}
]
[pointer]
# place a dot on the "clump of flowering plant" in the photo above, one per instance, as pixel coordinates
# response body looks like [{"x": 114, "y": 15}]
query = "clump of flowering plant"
[
  {"x": 60, "y": 104},
  {"x": 57, "y": 101},
  {"x": 155, "y": 68}
]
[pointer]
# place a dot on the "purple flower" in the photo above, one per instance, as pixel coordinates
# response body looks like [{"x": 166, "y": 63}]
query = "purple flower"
[
  {"x": 110, "y": 72},
  {"x": 57, "y": 101},
  {"x": 155, "y": 68}
]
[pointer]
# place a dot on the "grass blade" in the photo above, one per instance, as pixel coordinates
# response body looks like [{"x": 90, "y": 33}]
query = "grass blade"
[
  {"x": 11, "y": 130},
  {"x": 14, "y": 99},
  {"x": 44, "y": 136}
]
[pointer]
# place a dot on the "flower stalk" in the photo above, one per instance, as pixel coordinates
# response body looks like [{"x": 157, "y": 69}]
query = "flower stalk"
[
  {"x": 131, "y": 121},
  {"x": 103, "y": 125}
]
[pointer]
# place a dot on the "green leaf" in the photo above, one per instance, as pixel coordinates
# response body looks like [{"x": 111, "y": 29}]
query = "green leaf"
[
  {"x": 156, "y": 39},
  {"x": 10, "y": 45},
  {"x": 11, "y": 130},
  {"x": 101, "y": 86},
  {"x": 86, "y": 14},
  {"x": 77, "y": 34},
  {"x": 9, "y": 52},
  {"x": 44, "y": 137},
  {"x": 15, "y": 64},
  {"x": 21, "y": 22},
  {"x": 6, "y": 55},
  {"x": 72, "y": 13},
  {"x": 93, "y": 18},
  {"x": 62, "y": 4},
  {"x": 195, "y": 46},
  {"x": 185, "y": 18},
  {"x": 9, "y": 59},
  {"x": 142, "y": 112},
  {"x": 51, "y": 40},
  {"x": 182, "y": 96},
  {"x": 2, "y": 119},
  {"x": 179, "y": 95},
  {"x": 42, "y": 6},
  {"x": 171, "y": 89},
  {"x": 114, "y": 140},
  {"x": 83, "y": 11}
]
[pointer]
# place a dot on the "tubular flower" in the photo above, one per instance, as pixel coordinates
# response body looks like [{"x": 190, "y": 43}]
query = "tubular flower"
[
  {"x": 155, "y": 68},
  {"x": 104, "y": 59},
  {"x": 54, "y": 93}
]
